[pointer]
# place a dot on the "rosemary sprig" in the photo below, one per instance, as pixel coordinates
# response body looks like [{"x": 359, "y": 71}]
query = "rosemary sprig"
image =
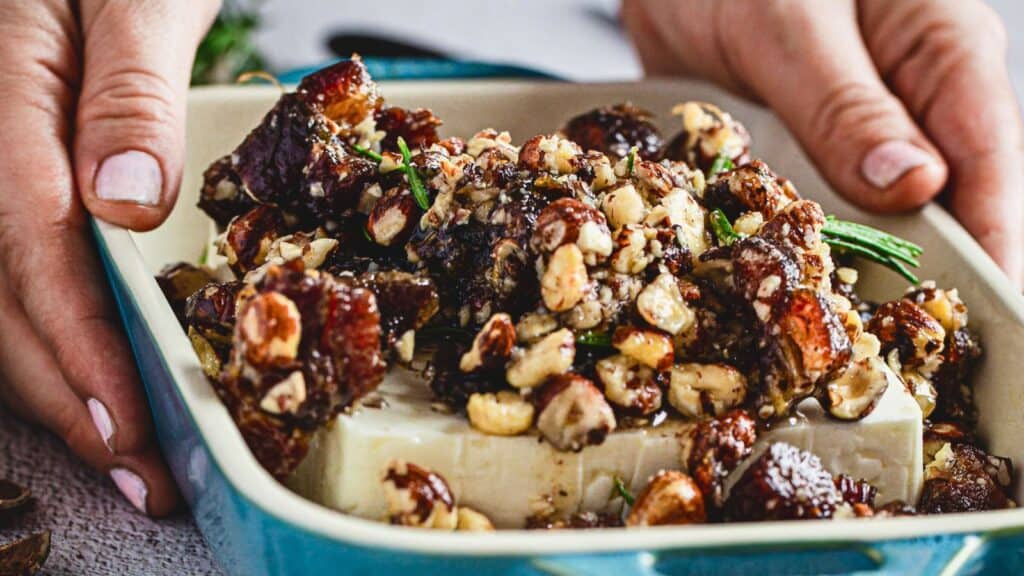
[
  {"x": 631, "y": 159},
  {"x": 362, "y": 151},
  {"x": 620, "y": 487},
  {"x": 366, "y": 234},
  {"x": 418, "y": 190},
  {"x": 595, "y": 339},
  {"x": 873, "y": 244},
  {"x": 721, "y": 164},
  {"x": 723, "y": 230}
]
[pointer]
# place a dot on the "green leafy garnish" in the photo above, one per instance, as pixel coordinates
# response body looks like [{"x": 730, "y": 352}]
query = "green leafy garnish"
[
  {"x": 366, "y": 234},
  {"x": 419, "y": 192},
  {"x": 631, "y": 159},
  {"x": 205, "y": 256},
  {"x": 873, "y": 244},
  {"x": 228, "y": 49},
  {"x": 362, "y": 151},
  {"x": 723, "y": 230},
  {"x": 721, "y": 164},
  {"x": 620, "y": 487},
  {"x": 594, "y": 338}
]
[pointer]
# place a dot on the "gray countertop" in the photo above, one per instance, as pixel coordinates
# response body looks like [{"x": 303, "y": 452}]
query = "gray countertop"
[{"x": 96, "y": 532}]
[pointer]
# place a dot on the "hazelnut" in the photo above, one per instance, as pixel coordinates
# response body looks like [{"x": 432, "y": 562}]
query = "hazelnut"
[
  {"x": 854, "y": 394},
  {"x": 572, "y": 413},
  {"x": 708, "y": 132},
  {"x": 248, "y": 237},
  {"x": 629, "y": 384},
  {"x": 492, "y": 345},
  {"x": 565, "y": 279},
  {"x": 504, "y": 413},
  {"x": 549, "y": 154},
  {"x": 904, "y": 326},
  {"x": 393, "y": 217},
  {"x": 699, "y": 389},
  {"x": 630, "y": 250},
  {"x": 943, "y": 305},
  {"x": 209, "y": 360},
  {"x": 472, "y": 521},
  {"x": 670, "y": 498},
  {"x": 650, "y": 347},
  {"x": 567, "y": 221},
  {"x": 532, "y": 327},
  {"x": 551, "y": 356},
  {"x": 661, "y": 304},
  {"x": 286, "y": 396},
  {"x": 269, "y": 330},
  {"x": 623, "y": 206},
  {"x": 418, "y": 497}
]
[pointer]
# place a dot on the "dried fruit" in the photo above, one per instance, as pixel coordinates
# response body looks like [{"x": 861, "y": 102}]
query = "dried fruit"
[
  {"x": 615, "y": 130},
  {"x": 670, "y": 498},
  {"x": 247, "y": 240},
  {"x": 903, "y": 326},
  {"x": 179, "y": 281},
  {"x": 784, "y": 483},
  {"x": 572, "y": 413},
  {"x": 25, "y": 556},
  {"x": 418, "y": 497},
  {"x": 708, "y": 133},
  {"x": 963, "y": 478},
  {"x": 418, "y": 128},
  {"x": 715, "y": 448},
  {"x": 750, "y": 187},
  {"x": 393, "y": 217}
]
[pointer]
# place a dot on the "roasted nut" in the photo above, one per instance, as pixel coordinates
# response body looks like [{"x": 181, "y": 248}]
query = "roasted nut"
[
  {"x": 707, "y": 133},
  {"x": 938, "y": 434},
  {"x": 417, "y": 127},
  {"x": 715, "y": 448},
  {"x": 568, "y": 221},
  {"x": 222, "y": 196},
  {"x": 552, "y": 356},
  {"x": 699, "y": 389},
  {"x": 572, "y": 413},
  {"x": 178, "y": 282},
  {"x": 750, "y": 187},
  {"x": 953, "y": 381},
  {"x": 533, "y": 327},
  {"x": 550, "y": 154},
  {"x": 286, "y": 396},
  {"x": 472, "y": 521},
  {"x": 902, "y": 325},
  {"x": 630, "y": 250},
  {"x": 504, "y": 413},
  {"x": 670, "y": 498},
  {"x": 661, "y": 304},
  {"x": 565, "y": 279},
  {"x": 854, "y": 394},
  {"x": 393, "y": 217},
  {"x": 269, "y": 330},
  {"x": 25, "y": 556},
  {"x": 649, "y": 347},
  {"x": 210, "y": 359},
  {"x": 614, "y": 130},
  {"x": 492, "y": 345},
  {"x": 784, "y": 483},
  {"x": 943, "y": 305},
  {"x": 764, "y": 276},
  {"x": 312, "y": 248},
  {"x": 629, "y": 385},
  {"x": 623, "y": 206},
  {"x": 963, "y": 478},
  {"x": 418, "y": 497}
]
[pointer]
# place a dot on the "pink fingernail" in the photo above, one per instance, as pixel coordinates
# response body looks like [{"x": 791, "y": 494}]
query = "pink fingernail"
[
  {"x": 102, "y": 420},
  {"x": 132, "y": 486},
  {"x": 131, "y": 176},
  {"x": 889, "y": 161}
]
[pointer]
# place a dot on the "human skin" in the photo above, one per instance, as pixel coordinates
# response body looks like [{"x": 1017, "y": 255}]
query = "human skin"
[{"x": 894, "y": 101}]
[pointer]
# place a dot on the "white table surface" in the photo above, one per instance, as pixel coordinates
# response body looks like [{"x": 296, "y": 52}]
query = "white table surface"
[{"x": 98, "y": 533}]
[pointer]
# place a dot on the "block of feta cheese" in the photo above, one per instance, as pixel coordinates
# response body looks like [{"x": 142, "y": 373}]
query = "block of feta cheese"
[{"x": 512, "y": 478}]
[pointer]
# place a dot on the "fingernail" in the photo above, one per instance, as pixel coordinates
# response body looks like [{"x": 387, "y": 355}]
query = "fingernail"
[
  {"x": 130, "y": 176},
  {"x": 889, "y": 161},
  {"x": 102, "y": 420},
  {"x": 133, "y": 487}
]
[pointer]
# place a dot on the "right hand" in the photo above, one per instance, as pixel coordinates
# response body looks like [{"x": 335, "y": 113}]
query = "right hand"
[{"x": 92, "y": 109}]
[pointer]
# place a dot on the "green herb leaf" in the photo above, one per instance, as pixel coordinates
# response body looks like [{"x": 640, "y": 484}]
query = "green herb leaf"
[
  {"x": 723, "y": 230},
  {"x": 594, "y": 338},
  {"x": 873, "y": 244},
  {"x": 631, "y": 159},
  {"x": 418, "y": 190},
  {"x": 368, "y": 153},
  {"x": 620, "y": 487},
  {"x": 366, "y": 234},
  {"x": 205, "y": 256},
  {"x": 721, "y": 164}
]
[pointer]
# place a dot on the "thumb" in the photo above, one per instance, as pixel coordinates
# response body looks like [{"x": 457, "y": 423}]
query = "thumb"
[{"x": 130, "y": 130}]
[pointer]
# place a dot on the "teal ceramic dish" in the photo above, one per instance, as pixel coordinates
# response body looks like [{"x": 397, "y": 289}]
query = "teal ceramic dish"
[{"x": 257, "y": 526}]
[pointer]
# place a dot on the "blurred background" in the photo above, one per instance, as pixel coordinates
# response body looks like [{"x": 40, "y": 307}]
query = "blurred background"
[{"x": 571, "y": 39}]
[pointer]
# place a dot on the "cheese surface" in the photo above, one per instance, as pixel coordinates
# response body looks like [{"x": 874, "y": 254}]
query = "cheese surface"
[{"x": 512, "y": 478}]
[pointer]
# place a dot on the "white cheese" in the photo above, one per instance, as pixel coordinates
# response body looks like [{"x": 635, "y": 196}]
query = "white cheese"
[{"x": 505, "y": 477}]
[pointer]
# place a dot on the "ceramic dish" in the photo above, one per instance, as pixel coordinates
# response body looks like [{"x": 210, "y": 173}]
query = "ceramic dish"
[{"x": 256, "y": 526}]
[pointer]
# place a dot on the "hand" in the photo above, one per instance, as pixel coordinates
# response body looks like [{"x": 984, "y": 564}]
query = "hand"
[
  {"x": 92, "y": 109},
  {"x": 894, "y": 101}
]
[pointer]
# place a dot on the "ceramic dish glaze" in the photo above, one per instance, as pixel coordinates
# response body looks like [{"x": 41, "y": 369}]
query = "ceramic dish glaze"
[{"x": 257, "y": 526}]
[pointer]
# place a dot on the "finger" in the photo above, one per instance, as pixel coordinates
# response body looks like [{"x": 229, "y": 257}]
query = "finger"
[
  {"x": 30, "y": 376},
  {"x": 130, "y": 125},
  {"x": 947, "y": 60},
  {"x": 807, "y": 61}
]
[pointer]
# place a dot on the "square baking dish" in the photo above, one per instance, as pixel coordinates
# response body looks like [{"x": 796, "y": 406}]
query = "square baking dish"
[{"x": 257, "y": 526}]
